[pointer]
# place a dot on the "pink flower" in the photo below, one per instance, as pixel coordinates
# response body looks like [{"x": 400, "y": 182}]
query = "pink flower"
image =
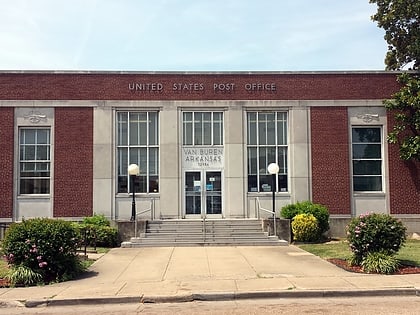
[{"x": 42, "y": 264}]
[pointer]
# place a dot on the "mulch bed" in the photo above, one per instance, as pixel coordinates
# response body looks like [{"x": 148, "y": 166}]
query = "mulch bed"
[{"x": 403, "y": 270}]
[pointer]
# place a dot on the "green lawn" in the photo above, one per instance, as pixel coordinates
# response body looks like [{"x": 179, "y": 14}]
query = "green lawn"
[{"x": 409, "y": 254}]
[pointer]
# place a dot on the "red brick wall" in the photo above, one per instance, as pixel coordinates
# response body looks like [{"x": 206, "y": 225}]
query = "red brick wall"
[
  {"x": 73, "y": 162},
  {"x": 115, "y": 86},
  {"x": 6, "y": 160},
  {"x": 330, "y": 159},
  {"x": 404, "y": 181}
]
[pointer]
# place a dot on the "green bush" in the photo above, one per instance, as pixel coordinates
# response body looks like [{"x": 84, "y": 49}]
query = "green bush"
[
  {"x": 371, "y": 233},
  {"x": 320, "y": 212},
  {"x": 98, "y": 232},
  {"x": 97, "y": 220},
  {"x": 305, "y": 228},
  {"x": 380, "y": 262},
  {"x": 44, "y": 246}
]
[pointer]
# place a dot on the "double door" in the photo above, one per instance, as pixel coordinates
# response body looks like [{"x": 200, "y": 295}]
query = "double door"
[{"x": 203, "y": 193}]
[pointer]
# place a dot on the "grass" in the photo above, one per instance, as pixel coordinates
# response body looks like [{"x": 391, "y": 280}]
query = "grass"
[
  {"x": 408, "y": 254},
  {"x": 3, "y": 268}
]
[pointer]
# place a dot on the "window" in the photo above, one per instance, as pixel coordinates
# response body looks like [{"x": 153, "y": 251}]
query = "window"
[
  {"x": 266, "y": 143},
  {"x": 138, "y": 143},
  {"x": 34, "y": 161},
  {"x": 202, "y": 128},
  {"x": 367, "y": 158}
]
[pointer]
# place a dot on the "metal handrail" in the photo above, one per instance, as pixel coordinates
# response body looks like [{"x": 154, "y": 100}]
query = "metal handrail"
[
  {"x": 204, "y": 229},
  {"x": 152, "y": 214},
  {"x": 259, "y": 208}
]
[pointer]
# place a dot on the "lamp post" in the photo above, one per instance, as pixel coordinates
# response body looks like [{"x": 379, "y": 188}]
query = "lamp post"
[
  {"x": 133, "y": 171},
  {"x": 273, "y": 169}
]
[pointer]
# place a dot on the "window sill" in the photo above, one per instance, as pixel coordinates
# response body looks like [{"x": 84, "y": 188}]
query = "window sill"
[
  {"x": 34, "y": 196},
  {"x": 369, "y": 194},
  {"x": 267, "y": 193},
  {"x": 138, "y": 195}
]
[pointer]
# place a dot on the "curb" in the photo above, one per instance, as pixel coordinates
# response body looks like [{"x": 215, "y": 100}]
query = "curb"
[
  {"x": 225, "y": 296},
  {"x": 83, "y": 301},
  {"x": 222, "y": 296}
]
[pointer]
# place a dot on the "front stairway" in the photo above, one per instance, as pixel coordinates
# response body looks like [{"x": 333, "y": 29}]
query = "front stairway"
[{"x": 221, "y": 232}]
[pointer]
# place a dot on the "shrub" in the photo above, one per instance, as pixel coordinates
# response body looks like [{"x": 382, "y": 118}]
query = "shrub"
[
  {"x": 97, "y": 220},
  {"x": 380, "y": 262},
  {"x": 320, "y": 212},
  {"x": 371, "y": 233},
  {"x": 291, "y": 210},
  {"x": 98, "y": 231},
  {"x": 305, "y": 228},
  {"x": 42, "y": 246},
  {"x": 106, "y": 236}
]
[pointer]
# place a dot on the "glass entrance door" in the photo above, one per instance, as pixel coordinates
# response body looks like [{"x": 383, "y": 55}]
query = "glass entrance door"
[
  {"x": 203, "y": 193},
  {"x": 193, "y": 192}
]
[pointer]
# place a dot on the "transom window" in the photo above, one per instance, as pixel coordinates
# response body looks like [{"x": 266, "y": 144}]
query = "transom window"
[
  {"x": 138, "y": 143},
  {"x": 202, "y": 128},
  {"x": 34, "y": 161},
  {"x": 266, "y": 143},
  {"x": 367, "y": 158}
]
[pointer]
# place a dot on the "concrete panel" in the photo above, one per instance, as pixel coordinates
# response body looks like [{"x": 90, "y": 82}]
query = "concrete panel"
[
  {"x": 300, "y": 188},
  {"x": 33, "y": 208},
  {"x": 40, "y": 116},
  {"x": 299, "y": 165},
  {"x": 123, "y": 207},
  {"x": 298, "y": 121},
  {"x": 233, "y": 127},
  {"x": 169, "y": 161},
  {"x": 102, "y": 122},
  {"x": 299, "y": 161},
  {"x": 234, "y": 159},
  {"x": 365, "y": 204},
  {"x": 338, "y": 227},
  {"x": 102, "y": 196},
  {"x": 170, "y": 201},
  {"x": 235, "y": 195},
  {"x": 367, "y": 115},
  {"x": 266, "y": 202},
  {"x": 102, "y": 161},
  {"x": 168, "y": 123}
]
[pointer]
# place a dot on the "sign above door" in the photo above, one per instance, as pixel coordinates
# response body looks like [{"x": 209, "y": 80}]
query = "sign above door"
[{"x": 202, "y": 158}]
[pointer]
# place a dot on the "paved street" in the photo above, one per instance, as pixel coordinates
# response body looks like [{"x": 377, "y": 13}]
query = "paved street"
[{"x": 333, "y": 306}]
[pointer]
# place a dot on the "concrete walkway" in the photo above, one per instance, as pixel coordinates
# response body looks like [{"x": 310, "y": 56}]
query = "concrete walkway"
[{"x": 175, "y": 274}]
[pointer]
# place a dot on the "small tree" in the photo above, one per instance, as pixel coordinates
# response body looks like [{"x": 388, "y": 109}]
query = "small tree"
[{"x": 400, "y": 20}]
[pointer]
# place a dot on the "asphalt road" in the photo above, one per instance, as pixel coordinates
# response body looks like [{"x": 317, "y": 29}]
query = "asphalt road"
[{"x": 337, "y": 306}]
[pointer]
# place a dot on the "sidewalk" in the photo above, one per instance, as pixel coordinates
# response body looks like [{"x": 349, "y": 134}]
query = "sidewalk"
[{"x": 175, "y": 274}]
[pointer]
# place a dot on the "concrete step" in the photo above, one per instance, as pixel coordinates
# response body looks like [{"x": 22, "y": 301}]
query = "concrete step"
[{"x": 191, "y": 233}]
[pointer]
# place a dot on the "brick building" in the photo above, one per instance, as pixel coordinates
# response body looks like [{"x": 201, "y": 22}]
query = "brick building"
[{"x": 203, "y": 141}]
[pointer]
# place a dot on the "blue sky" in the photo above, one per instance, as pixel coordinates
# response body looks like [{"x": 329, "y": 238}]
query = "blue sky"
[{"x": 190, "y": 35}]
